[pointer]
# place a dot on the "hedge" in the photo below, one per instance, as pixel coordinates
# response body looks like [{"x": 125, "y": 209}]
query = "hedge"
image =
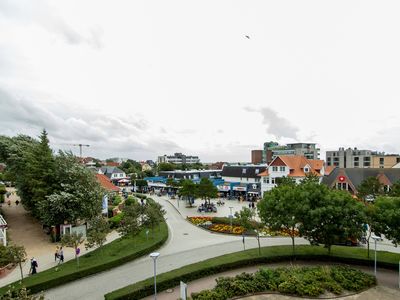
[
  {"x": 109, "y": 256},
  {"x": 340, "y": 254}
]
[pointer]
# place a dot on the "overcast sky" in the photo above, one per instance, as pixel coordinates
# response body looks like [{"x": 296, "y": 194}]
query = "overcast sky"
[{"x": 144, "y": 78}]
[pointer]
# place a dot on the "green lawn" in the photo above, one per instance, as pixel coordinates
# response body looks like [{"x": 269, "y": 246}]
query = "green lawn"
[
  {"x": 250, "y": 257},
  {"x": 111, "y": 255}
]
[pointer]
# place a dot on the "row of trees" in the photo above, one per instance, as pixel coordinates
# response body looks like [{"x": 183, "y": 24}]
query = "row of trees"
[
  {"x": 326, "y": 216},
  {"x": 55, "y": 188},
  {"x": 189, "y": 190}
]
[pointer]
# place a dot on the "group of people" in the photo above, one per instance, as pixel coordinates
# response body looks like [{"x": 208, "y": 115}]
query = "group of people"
[{"x": 59, "y": 254}]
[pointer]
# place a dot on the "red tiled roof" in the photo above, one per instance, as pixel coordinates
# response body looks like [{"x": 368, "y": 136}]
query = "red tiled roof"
[
  {"x": 265, "y": 173},
  {"x": 106, "y": 183},
  {"x": 112, "y": 164},
  {"x": 296, "y": 164}
]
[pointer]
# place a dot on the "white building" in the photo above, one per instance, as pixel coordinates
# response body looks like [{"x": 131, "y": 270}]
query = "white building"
[
  {"x": 296, "y": 167},
  {"x": 178, "y": 158}
]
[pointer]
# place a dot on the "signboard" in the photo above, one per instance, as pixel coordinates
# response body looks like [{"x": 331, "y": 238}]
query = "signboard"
[
  {"x": 239, "y": 188},
  {"x": 224, "y": 188},
  {"x": 78, "y": 250}
]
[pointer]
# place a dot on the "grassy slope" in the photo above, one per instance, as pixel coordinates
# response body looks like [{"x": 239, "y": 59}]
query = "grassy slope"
[
  {"x": 111, "y": 255},
  {"x": 250, "y": 257}
]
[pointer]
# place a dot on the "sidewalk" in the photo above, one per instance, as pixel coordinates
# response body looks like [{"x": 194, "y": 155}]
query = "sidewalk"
[
  {"x": 222, "y": 211},
  {"x": 24, "y": 230}
]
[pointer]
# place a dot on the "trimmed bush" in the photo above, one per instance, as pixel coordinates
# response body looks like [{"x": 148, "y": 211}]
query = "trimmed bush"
[
  {"x": 116, "y": 220},
  {"x": 250, "y": 257}
]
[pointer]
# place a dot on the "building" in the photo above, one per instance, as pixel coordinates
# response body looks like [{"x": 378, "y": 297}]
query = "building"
[
  {"x": 355, "y": 158},
  {"x": 116, "y": 175},
  {"x": 256, "y": 157},
  {"x": 350, "y": 178},
  {"x": 293, "y": 166},
  {"x": 273, "y": 149},
  {"x": 241, "y": 180},
  {"x": 194, "y": 175},
  {"x": 178, "y": 158},
  {"x": 106, "y": 183}
]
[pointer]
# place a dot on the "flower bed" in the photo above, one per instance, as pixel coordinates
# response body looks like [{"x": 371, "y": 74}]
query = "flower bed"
[{"x": 213, "y": 224}]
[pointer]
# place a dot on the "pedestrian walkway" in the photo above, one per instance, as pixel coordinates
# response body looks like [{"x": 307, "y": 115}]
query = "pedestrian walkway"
[{"x": 25, "y": 230}]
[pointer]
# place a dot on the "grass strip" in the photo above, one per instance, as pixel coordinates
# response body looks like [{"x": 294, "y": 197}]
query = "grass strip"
[
  {"x": 236, "y": 260},
  {"x": 109, "y": 256}
]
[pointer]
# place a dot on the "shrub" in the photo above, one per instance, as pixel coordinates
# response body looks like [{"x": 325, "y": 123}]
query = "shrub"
[
  {"x": 117, "y": 200},
  {"x": 5, "y": 256},
  {"x": 130, "y": 200},
  {"x": 116, "y": 220}
]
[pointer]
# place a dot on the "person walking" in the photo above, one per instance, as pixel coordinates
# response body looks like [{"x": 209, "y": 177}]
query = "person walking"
[
  {"x": 56, "y": 254},
  {"x": 61, "y": 255},
  {"x": 17, "y": 202},
  {"x": 34, "y": 265}
]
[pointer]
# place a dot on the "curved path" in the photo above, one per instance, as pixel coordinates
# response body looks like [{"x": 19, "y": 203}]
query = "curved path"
[{"x": 187, "y": 244}]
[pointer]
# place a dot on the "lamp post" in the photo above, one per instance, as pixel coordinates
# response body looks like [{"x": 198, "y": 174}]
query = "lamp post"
[
  {"x": 154, "y": 256},
  {"x": 231, "y": 216},
  {"x": 375, "y": 238}
]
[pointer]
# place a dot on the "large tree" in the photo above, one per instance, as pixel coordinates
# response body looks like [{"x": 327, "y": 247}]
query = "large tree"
[
  {"x": 97, "y": 232},
  {"x": 188, "y": 190},
  {"x": 79, "y": 196},
  {"x": 329, "y": 216},
  {"x": 206, "y": 189},
  {"x": 131, "y": 221},
  {"x": 281, "y": 208},
  {"x": 153, "y": 214},
  {"x": 388, "y": 218}
]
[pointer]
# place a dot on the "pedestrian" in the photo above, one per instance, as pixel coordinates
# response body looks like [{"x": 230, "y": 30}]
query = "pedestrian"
[
  {"x": 61, "y": 255},
  {"x": 56, "y": 254},
  {"x": 252, "y": 205},
  {"x": 17, "y": 202},
  {"x": 9, "y": 202},
  {"x": 34, "y": 265}
]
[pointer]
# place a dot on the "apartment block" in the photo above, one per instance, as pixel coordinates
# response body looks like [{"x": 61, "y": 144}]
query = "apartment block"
[{"x": 356, "y": 158}]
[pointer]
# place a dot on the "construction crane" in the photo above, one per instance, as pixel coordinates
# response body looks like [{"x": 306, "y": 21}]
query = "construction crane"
[{"x": 80, "y": 148}]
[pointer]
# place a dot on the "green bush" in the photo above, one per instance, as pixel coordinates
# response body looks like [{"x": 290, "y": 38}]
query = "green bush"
[
  {"x": 115, "y": 221},
  {"x": 130, "y": 200},
  {"x": 306, "y": 281},
  {"x": 117, "y": 200},
  {"x": 140, "y": 196},
  {"x": 5, "y": 256}
]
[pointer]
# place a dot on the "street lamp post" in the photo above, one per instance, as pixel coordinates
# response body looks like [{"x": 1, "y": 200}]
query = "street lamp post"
[
  {"x": 231, "y": 216},
  {"x": 154, "y": 256},
  {"x": 375, "y": 238}
]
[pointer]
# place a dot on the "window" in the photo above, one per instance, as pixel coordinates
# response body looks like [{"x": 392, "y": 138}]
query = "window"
[
  {"x": 243, "y": 171},
  {"x": 336, "y": 159},
  {"x": 306, "y": 170},
  {"x": 265, "y": 179},
  {"x": 329, "y": 159},
  {"x": 356, "y": 164},
  {"x": 257, "y": 171},
  {"x": 398, "y": 159},
  {"x": 381, "y": 160},
  {"x": 273, "y": 180},
  {"x": 282, "y": 169},
  {"x": 356, "y": 158},
  {"x": 274, "y": 169}
]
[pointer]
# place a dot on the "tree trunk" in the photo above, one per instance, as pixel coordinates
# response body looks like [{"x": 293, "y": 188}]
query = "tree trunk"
[
  {"x": 20, "y": 268},
  {"x": 293, "y": 245},
  {"x": 258, "y": 241}
]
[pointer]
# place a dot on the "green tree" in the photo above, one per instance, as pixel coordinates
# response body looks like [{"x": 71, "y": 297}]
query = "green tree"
[
  {"x": 206, "y": 189},
  {"x": 285, "y": 181},
  {"x": 166, "y": 167},
  {"x": 281, "y": 208},
  {"x": 131, "y": 220},
  {"x": 395, "y": 189},
  {"x": 244, "y": 217},
  {"x": 97, "y": 232},
  {"x": 79, "y": 196},
  {"x": 330, "y": 215},
  {"x": 140, "y": 184},
  {"x": 18, "y": 256},
  {"x": 188, "y": 190},
  {"x": 388, "y": 218},
  {"x": 370, "y": 187},
  {"x": 153, "y": 214},
  {"x": 73, "y": 240}
]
